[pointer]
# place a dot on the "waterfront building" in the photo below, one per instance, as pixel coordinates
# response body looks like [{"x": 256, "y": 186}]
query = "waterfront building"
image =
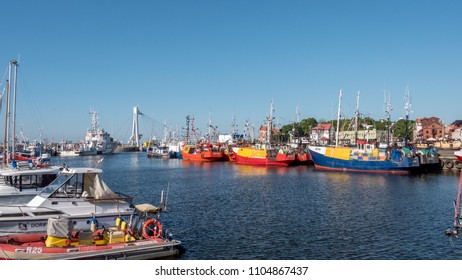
[
  {"x": 322, "y": 134},
  {"x": 428, "y": 129}
]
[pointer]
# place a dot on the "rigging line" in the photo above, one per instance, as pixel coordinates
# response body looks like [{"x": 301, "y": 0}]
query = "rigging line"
[
  {"x": 30, "y": 103},
  {"x": 4, "y": 77}
]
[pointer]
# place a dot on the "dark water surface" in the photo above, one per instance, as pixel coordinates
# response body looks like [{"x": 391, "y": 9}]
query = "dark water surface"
[{"x": 228, "y": 211}]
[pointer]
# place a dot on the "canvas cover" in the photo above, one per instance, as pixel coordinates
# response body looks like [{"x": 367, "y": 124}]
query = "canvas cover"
[
  {"x": 148, "y": 208},
  {"x": 97, "y": 188},
  {"x": 60, "y": 227}
]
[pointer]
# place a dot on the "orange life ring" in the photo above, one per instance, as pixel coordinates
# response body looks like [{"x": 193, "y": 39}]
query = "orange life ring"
[
  {"x": 152, "y": 228},
  {"x": 68, "y": 242}
]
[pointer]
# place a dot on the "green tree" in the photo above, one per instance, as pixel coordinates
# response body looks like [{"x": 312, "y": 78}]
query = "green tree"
[
  {"x": 400, "y": 129},
  {"x": 306, "y": 125}
]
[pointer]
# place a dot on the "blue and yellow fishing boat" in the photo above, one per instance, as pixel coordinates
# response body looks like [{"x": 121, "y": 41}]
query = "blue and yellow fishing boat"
[{"x": 370, "y": 159}]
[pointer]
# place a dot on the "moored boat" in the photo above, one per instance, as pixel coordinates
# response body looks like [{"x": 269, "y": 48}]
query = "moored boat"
[
  {"x": 141, "y": 237},
  {"x": 363, "y": 160},
  {"x": 264, "y": 156},
  {"x": 201, "y": 153},
  {"x": 303, "y": 157},
  {"x": 97, "y": 140}
]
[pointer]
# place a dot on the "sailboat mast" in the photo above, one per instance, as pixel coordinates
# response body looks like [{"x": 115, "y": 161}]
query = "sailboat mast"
[
  {"x": 6, "y": 138},
  {"x": 338, "y": 117},
  {"x": 13, "y": 145}
]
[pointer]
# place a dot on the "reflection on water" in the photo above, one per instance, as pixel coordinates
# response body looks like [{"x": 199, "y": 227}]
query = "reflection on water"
[{"x": 249, "y": 170}]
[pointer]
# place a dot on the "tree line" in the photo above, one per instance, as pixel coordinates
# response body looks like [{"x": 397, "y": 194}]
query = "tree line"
[{"x": 305, "y": 126}]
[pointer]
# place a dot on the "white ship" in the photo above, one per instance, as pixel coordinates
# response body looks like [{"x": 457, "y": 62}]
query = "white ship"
[{"x": 97, "y": 140}]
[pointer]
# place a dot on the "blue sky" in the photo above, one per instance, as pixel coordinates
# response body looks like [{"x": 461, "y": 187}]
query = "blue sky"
[{"x": 222, "y": 58}]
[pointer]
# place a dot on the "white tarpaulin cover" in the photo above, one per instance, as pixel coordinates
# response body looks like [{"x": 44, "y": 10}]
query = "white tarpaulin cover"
[
  {"x": 98, "y": 188},
  {"x": 59, "y": 227}
]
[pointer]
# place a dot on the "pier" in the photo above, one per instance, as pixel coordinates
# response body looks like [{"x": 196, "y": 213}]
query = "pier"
[{"x": 448, "y": 161}]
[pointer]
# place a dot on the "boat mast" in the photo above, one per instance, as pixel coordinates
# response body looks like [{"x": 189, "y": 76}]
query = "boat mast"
[
  {"x": 6, "y": 139},
  {"x": 187, "y": 129},
  {"x": 15, "y": 63},
  {"x": 293, "y": 136},
  {"x": 388, "y": 109},
  {"x": 356, "y": 118},
  {"x": 269, "y": 125},
  {"x": 338, "y": 117},
  {"x": 234, "y": 128},
  {"x": 407, "y": 105}
]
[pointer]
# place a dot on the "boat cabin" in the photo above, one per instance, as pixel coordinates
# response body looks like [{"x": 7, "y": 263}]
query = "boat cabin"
[
  {"x": 77, "y": 183},
  {"x": 29, "y": 179}
]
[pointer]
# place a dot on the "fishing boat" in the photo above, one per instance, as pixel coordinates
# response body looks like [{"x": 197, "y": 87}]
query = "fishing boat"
[
  {"x": 265, "y": 154},
  {"x": 157, "y": 152},
  {"x": 369, "y": 159},
  {"x": 364, "y": 157},
  {"x": 228, "y": 153},
  {"x": 303, "y": 156},
  {"x": 77, "y": 193},
  {"x": 204, "y": 152},
  {"x": 20, "y": 185},
  {"x": 140, "y": 237},
  {"x": 97, "y": 140}
]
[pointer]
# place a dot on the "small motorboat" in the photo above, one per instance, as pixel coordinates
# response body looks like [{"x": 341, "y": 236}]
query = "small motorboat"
[{"x": 142, "y": 237}]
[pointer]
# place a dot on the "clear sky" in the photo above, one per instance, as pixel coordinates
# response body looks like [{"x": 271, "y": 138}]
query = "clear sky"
[{"x": 219, "y": 59}]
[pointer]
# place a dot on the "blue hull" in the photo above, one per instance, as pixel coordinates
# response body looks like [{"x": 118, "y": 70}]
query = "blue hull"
[{"x": 403, "y": 166}]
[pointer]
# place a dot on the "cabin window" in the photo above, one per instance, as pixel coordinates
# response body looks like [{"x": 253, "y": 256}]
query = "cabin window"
[
  {"x": 72, "y": 187},
  {"x": 29, "y": 180}
]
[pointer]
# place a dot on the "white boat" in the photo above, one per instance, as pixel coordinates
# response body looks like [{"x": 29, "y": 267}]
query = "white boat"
[
  {"x": 78, "y": 194},
  {"x": 71, "y": 153},
  {"x": 66, "y": 149},
  {"x": 20, "y": 185},
  {"x": 97, "y": 140}
]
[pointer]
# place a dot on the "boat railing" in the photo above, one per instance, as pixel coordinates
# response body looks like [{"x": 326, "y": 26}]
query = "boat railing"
[{"x": 120, "y": 196}]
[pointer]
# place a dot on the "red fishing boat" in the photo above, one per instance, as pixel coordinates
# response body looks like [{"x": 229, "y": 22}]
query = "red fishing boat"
[{"x": 201, "y": 153}]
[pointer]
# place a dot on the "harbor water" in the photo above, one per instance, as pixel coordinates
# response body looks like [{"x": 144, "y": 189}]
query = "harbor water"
[{"x": 222, "y": 210}]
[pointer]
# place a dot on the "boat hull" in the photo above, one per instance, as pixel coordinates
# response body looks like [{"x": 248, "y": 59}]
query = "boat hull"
[
  {"x": 458, "y": 155},
  {"x": 251, "y": 156},
  {"x": 323, "y": 162},
  {"x": 304, "y": 158},
  {"x": 38, "y": 224}
]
